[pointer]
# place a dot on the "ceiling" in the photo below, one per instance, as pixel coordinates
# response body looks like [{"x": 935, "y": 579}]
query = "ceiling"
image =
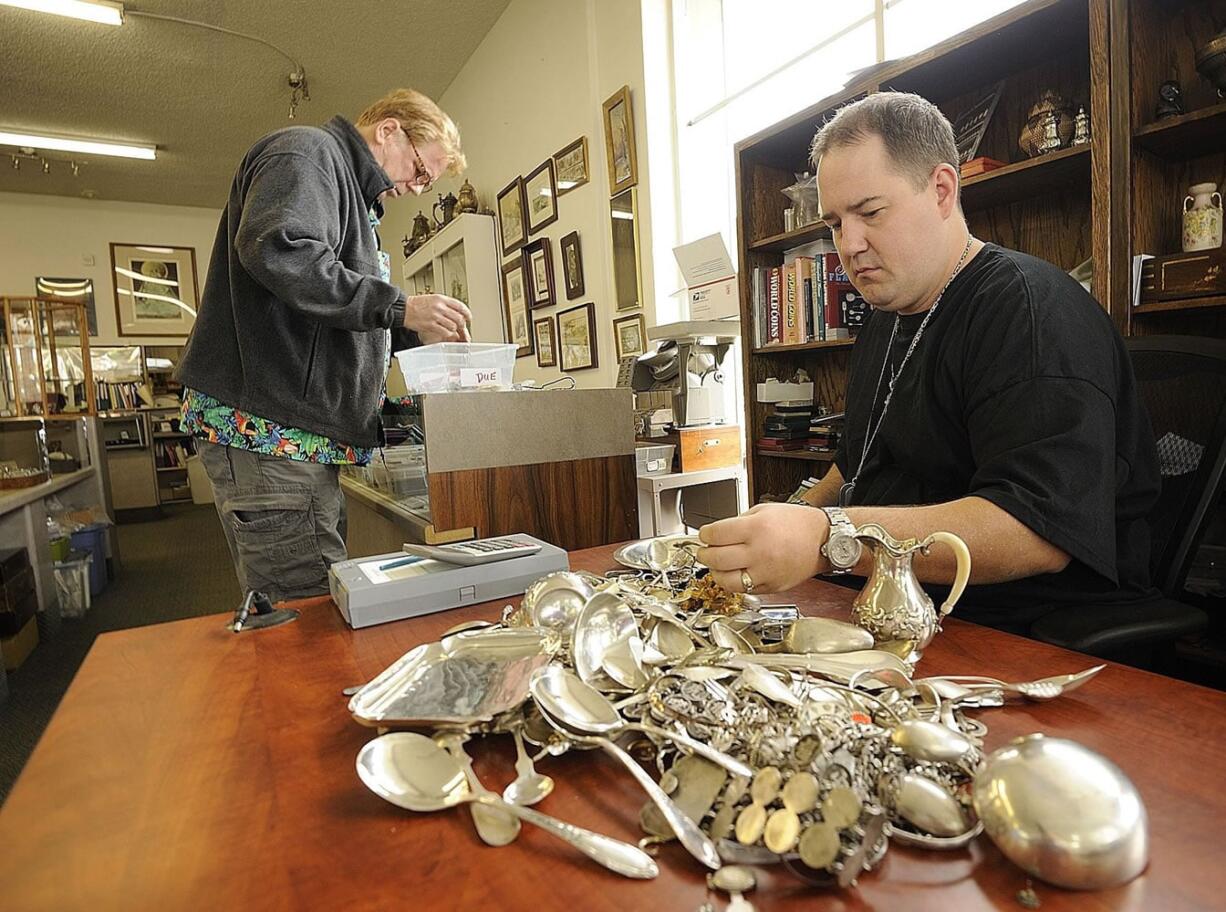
[{"x": 203, "y": 97}]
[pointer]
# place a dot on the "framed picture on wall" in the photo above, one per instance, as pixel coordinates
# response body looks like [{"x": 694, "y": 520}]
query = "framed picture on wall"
[
  {"x": 155, "y": 289},
  {"x": 515, "y": 306},
  {"x": 630, "y": 336},
  {"x": 619, "y": 141},
  {"x": 541, "y": 194},
  {"x": 572, "y": 266},
  {"x": 538, "y": 266},
  {"x": 570, "y": 166},
  {"x": 79, "y": 291},
  {"x": 577, "y": 338},
  {"x": 511, "y": 223},
  {"x": 546, "y": 343}
]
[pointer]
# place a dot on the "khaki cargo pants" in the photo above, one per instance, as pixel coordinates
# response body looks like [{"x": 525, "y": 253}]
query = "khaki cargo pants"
[{"x": 284, "y": 519}]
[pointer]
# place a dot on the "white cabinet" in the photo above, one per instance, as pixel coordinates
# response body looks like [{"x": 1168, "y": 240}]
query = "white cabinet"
[{"x": 461, "y": 260}]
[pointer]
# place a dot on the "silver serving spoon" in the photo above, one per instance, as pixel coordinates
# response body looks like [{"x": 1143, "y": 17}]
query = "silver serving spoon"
[
  {"x": 413, "y": 772},
  {"x": 695, "y": 841},
  {"x": 583, "y": 709},
  {"x": 529, "y": 787}
]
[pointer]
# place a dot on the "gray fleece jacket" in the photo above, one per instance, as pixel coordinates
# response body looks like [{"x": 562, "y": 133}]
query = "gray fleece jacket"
[{"x": 293, "y": 323}]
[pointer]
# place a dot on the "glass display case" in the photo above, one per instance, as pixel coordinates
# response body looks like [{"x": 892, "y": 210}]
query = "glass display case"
[{"x": 45, "y": 367}]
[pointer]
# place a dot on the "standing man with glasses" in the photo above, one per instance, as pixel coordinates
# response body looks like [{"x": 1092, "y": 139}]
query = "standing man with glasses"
[
  {"x": 284, "y": 372},
  {"x": 989, "y": 396}
]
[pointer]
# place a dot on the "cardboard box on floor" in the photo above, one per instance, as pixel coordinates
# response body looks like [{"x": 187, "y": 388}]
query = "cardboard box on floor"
[{"x": 17, "y": 648}]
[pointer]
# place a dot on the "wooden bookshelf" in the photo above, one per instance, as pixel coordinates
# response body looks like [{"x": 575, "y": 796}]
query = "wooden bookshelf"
[
  {"x": 1056, "y": 206},
  {"x": 795, "y": 454},
  {"x": 1164, "y": 157},
  {"x": 1162, "y": 307}
]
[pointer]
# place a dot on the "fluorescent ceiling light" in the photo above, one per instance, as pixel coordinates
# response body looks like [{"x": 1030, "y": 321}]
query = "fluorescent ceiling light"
[
  {"x": 69, "y": 144},
  {"x": 157, "y": 297},
  {"x": 90, "y": 10},
  {"x": 566, "y": 185},
  {"x": 619, "y": 214},
  {"x": 141, "y": 277}
]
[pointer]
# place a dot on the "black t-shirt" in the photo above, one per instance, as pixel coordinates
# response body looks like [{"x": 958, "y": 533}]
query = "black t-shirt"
[{"x": 1019, "y": 391}]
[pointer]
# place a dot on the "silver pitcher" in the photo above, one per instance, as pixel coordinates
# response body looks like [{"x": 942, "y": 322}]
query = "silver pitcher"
[{"x": 892, "y": 606}]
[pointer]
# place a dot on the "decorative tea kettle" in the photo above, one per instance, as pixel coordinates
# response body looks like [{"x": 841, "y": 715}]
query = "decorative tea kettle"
[
  {"x": 892, "y": 606},
  {"x": 447, "y": 204},
  {"x": 421, "y": 231},
  {"x": 467, "y": 201}
]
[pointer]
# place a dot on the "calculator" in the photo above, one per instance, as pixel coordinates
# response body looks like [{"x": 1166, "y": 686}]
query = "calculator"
[{"x": 473, "y": 553}]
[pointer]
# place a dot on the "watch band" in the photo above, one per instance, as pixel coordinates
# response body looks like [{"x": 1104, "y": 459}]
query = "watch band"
[{"x": 840, "y": 547}]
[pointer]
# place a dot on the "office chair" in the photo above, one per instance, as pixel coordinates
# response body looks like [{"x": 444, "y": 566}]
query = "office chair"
[{"x": 1182, "y": 381}]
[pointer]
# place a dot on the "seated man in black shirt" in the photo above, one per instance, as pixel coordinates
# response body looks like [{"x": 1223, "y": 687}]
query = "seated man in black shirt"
[{"x": 989, "y": 396}]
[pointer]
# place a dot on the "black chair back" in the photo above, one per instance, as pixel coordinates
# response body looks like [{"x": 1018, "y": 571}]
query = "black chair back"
[{"x": 1182, "y": 381}]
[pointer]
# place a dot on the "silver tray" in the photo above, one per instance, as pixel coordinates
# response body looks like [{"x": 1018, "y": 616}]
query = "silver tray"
[
  {"x": 466, "y": 679},
  {"x": 634, "y": 555}
]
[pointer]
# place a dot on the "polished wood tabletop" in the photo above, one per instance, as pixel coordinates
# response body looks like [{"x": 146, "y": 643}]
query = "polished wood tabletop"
[{"x": 191, "y": 768}]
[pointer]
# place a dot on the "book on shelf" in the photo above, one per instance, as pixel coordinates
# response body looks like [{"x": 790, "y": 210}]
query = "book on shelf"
[
  {"x": 808, "y": 299},
  {"x": 172, "y": 455},
  {"x": 779, "y": 445},
  {"x": 774, "y": 313}
]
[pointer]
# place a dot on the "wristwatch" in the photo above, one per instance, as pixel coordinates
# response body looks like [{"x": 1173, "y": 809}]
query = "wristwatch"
[{"x": 841, "y": 548}]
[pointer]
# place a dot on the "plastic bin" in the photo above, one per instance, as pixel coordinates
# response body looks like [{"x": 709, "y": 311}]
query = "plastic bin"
[
  {"x": 72, "y": 584},
  {"x": 92, "y": 539},
  {"x": 654, "y": 460},
  {"x": 450, "y": 366}
]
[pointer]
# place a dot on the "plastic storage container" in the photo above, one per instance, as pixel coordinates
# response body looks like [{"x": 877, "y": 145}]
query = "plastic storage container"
[
  {"x": 654, "y": 460},
  {"x": 450, "y": 366},
  {"x": 92, "y": 538},
  {"x": 72, "y": 584}
]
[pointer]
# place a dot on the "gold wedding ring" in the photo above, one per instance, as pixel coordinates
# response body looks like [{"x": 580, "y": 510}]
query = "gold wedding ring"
[{"x": 746, "y": 581}]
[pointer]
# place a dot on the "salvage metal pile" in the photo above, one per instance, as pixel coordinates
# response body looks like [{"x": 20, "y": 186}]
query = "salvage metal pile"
[{"x": 775, "y": 738}]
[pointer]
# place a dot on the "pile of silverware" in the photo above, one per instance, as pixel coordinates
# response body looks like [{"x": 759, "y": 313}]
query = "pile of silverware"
[{"x": 776, "y": 739}]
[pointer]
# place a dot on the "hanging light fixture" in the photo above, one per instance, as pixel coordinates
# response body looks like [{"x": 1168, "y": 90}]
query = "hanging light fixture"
[{"x": 90, "y": 10}]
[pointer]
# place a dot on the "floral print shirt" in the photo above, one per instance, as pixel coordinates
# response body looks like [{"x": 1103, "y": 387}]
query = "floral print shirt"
[{"x": 203, "y": 416}]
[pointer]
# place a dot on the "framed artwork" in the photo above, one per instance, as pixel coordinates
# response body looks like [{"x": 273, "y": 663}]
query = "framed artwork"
[
  {"x": 546, "y": 343},
  {"x": 630, "y": 336},
  {"x": 79, "y": 291},
  {"x": 570, "y": 166},
  {"x": 572, "y": 266},
  {"x": 155, "y": 289},
  {"x": 511, "y": 223},
  {"x": 619, "y": 141},
  {"x": 973, "y": 123},
  {"x": 541, "y": 195},
  {"x": 577, "y": 338},
  {"x": 515, "y": 306},
  {"x": 538, "y": 266}
]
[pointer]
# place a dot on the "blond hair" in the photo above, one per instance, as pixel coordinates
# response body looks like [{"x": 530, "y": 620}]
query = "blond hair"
[
  {"x": 422, "y": 120},
  {"x": 913, "y": 130}
]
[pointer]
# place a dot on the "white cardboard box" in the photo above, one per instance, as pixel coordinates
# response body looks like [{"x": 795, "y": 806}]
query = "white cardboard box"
[{"x": 711, "y": 284}]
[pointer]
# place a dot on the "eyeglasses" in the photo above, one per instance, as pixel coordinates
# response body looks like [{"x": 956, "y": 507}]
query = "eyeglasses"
[{"x": 423, "y": 180}]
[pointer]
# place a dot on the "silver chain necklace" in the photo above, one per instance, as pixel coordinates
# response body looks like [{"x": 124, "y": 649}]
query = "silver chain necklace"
[{"x": 846, "y": 490}]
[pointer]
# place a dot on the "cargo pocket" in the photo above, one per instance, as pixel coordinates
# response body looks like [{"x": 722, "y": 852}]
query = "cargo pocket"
[{"x": 274, "y": 531}]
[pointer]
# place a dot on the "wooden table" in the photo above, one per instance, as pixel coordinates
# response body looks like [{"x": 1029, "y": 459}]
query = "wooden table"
[{"x": 189, "y": 768}]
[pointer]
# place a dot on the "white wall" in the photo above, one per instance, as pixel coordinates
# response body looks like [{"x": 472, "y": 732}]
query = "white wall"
[
  {"x": 69, "y": 237},
  {"x": 532, "y": 87}
]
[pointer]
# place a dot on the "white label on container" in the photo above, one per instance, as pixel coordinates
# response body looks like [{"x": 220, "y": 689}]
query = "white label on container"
[{"x": 480, "y": 376}]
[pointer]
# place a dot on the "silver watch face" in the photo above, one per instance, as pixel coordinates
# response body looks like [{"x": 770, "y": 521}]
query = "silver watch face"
[{"x": 843, "y": 550}]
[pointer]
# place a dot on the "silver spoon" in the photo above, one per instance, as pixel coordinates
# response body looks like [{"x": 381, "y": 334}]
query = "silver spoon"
[
  {"x": 529, "y": 787},
  {"x": 696, "y": 842},
  {"x": 581, "y": 708},
  {"x": 494, "y": 827},
  {"x": 413, "y": 772}
]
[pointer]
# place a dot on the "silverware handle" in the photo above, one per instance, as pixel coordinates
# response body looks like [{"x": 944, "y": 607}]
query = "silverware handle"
[
  {"x": 617, "y": 856},
  {"x": 703, "y": 750},
  {"x": 696, "y": 842}
]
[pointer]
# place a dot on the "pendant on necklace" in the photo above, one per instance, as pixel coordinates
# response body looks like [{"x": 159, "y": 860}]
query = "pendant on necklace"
[{"x": 845, "y": 493}]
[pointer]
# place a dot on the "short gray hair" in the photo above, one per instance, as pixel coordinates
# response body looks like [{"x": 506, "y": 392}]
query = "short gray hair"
[{"x": 915, "y": 133}]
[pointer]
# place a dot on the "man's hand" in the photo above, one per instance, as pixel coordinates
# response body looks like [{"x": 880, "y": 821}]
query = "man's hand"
[
  {"x": 777, "y": 545},
  {"x": 437, "y": 318}
]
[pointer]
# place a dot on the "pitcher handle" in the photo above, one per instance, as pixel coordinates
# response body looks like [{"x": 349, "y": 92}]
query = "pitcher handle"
[{"x": 963, "y": 554}]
